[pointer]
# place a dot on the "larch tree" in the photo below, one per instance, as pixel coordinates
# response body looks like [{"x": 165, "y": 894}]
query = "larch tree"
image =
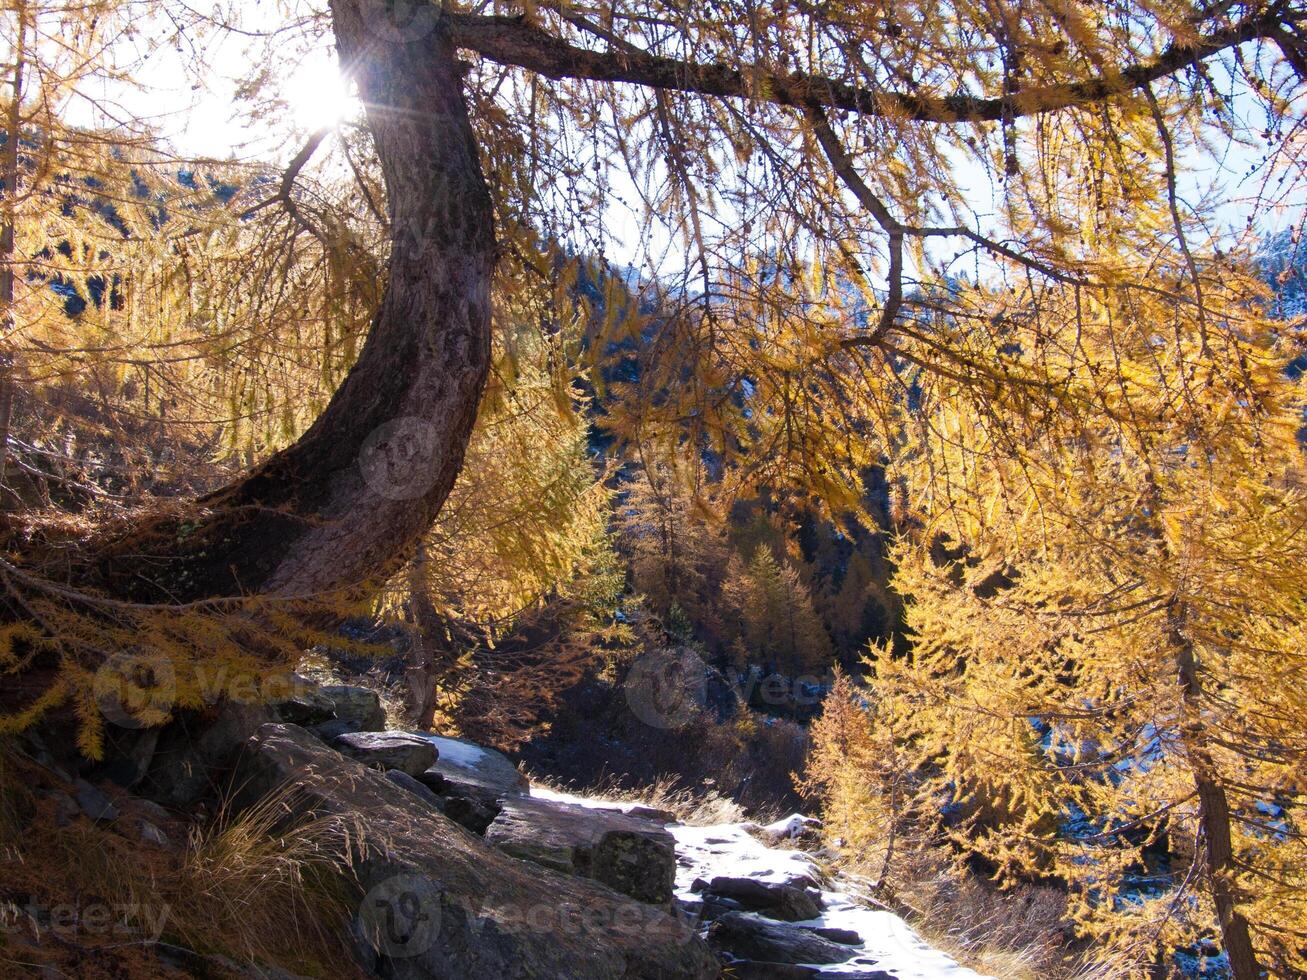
[{"x": 813, "y": 167}]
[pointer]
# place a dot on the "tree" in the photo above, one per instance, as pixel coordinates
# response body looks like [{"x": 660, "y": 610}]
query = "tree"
[
  {"x": 806, "y": 157},
  {"x": 781, "y": 628}
]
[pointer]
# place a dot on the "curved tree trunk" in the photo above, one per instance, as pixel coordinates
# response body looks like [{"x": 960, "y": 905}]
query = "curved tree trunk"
[{"x": 345, "y": 504}]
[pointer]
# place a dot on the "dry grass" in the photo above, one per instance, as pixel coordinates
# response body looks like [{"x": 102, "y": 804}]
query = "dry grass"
[{"x": 266, "y": 886}]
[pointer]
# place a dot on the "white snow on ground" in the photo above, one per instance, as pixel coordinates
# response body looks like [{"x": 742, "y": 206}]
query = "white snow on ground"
[
  {"x": 730, "y": 851},
  {"x": 542, "y": 793}
]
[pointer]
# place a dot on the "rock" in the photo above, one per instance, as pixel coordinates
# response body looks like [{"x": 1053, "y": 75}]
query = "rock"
[
  {"x": 475, "y": 770},
  {"x": 457, "y": 908},
  {"x": 845, "y": 937},
  {"x": 149, "y": 810},
  {"x": 473, "y": 780},
  {"x": 94, "y": 803},
  {"x": 756, "y": 970},
  {"x": 152, "y": 834},
  {"x": 759, "y": 970},
  {"x": 358, "y": 708},
  {"x": 329, "y": 731},
  {"x": 650, "y": 813},
  {"x": 749, "y": 936},
  {"x": 471, "y": 813},
  {"x": 784, "y": 902},
  {"x": 632, "y": 856},
  {"x": 196, "y": 749},
  {"x": 304, "y": 702},
  {"x": 388, "y": 750},
  {"x": 66, "y": 809},
  {"x": 405, "y": 781}
]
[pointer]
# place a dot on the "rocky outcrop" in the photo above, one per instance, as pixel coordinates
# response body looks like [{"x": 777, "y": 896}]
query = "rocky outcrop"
[
  {"x": 474, "y": 770},
  {"x": 357, "y": 708},
  {"x": 440, "y": 903},
  {"x": 747, "y": 936},
  {"x": 407, "y": 753},
  {"x": 787, "y": 903},
  {"x": 193, "y": 754},
  {"x": 633, "y": 856},
  {"x": 473, "y": 781},
  {"x": 305, "y": 702}
]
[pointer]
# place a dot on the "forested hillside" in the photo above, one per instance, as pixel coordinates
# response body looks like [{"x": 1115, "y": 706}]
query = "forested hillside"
[{"x": 889, "y": 414}]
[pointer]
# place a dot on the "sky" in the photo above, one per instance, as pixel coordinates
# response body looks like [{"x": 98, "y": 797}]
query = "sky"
[{"x": 205, "y": 118}]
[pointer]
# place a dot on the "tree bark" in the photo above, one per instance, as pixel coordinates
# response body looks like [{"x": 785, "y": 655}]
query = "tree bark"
[
  {"x": 345, "y": 504},
  {"x": 8, "y": 239},
  {"x": 1214, "y": 821}
]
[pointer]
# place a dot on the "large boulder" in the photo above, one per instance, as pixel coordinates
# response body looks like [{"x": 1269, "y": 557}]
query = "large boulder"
[
  {"x": 388, "y": 750},
  {"x": 628, "y": 854},
  {"x": 474, "y": 770},
  {"x": 473, "y": 781},
  {"x": 300, "y": 700},
  {"x": 777, "y": 901},
  {"x": 747, "y": 936},
  {"x": 357, "y": 708},
  {"x": 194, "y": 752},
  {"x": 439, "y": 903}
]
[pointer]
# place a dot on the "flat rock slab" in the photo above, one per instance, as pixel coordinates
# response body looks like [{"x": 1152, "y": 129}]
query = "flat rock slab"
[
  {"x": 439, "y": 904},
  {"x": 411, "y": 754},
  {"x": 628, "y": 854},
  {"x": 785, "y": 902},
  {"x": 476, "y": 768},
  {"x": 748, "y": 936}
]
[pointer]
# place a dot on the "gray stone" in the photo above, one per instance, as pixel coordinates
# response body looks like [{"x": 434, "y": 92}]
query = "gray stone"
[
  {"x": 357, "y": 707},
  {"x": 749, "y": 936},
  {"x": 66, "y": 809},
  {"x": 846, "y": 937},
  {"x": 632, "y": 856},
  {"x": 473, "y": 770},
  {"x": 152, "y": 834},
  {"x": 94, "y": 803},
  {"x": 388, "y": 750},
  {"x": 460, "y": 909},
  {"x": 784, "y": 902},
  {"x": 196, "y": 751},
  {"x": 329, "y": 731},
  {"x": 405, "y": 781},
  {"x": 303, "y": 702}
]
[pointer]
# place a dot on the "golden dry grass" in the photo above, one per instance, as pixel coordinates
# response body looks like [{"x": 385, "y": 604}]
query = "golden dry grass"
[{"x": 267, "y": 886}]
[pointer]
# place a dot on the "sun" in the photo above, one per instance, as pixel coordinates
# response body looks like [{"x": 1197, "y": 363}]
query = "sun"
[{"x": 318, "y": 95}]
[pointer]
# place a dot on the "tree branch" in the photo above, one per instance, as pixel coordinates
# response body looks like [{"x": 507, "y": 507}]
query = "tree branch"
[{"x": 514, "y": 41}]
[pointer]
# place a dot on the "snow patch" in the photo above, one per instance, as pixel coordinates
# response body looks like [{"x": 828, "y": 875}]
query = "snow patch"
[{"x": 456, "y": 752}]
